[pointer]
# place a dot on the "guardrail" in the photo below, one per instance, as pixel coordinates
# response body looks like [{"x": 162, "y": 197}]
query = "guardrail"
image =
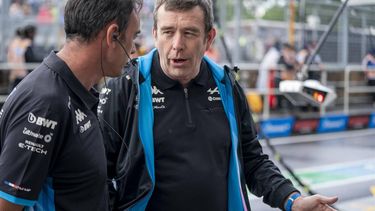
[
  {"x": 349, "y": 89},
  {"x": 266, "y": 92},
  {"x": 247, "y": 68}
]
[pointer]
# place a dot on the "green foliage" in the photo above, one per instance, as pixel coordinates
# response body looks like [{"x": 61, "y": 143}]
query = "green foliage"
[{"x": 275, "y": 13}]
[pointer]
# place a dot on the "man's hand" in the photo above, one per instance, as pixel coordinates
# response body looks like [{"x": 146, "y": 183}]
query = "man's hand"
[
  {"x": 7, "y": 206},
  {"x": 314, "y": 203}
]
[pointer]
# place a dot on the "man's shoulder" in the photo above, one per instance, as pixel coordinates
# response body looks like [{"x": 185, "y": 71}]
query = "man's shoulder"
[
  {"x": 37, "y": 91},
  {"x": 125, "y": 80}
]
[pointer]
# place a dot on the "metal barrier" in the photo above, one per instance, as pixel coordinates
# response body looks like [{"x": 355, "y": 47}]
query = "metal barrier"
[
  {"x": 349, "y": 89},
  {"x": 246, "y": 69},
  {"x": 4, "y": 69},
  {"x": 345, "y": 84},
  {"x": 266, "y": 92}
]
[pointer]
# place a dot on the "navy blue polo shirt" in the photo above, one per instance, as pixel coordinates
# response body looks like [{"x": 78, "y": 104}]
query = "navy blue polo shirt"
[
  {"x": 191, "y": 142},
  {"x": 52, "y": 153}
]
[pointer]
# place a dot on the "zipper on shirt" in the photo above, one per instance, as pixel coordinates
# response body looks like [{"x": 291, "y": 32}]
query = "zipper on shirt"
[{"x": 188, "y": 111}]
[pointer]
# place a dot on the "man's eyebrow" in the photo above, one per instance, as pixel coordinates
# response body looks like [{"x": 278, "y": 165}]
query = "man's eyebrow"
[
  {"x": 166, "y": 28},
  {"x": 193, "y": 29}
]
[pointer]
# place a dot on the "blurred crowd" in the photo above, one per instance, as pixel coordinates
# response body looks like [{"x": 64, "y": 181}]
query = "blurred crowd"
[
  {"x": 21, "y": 50},
  {"x": 44, "y": 10}
]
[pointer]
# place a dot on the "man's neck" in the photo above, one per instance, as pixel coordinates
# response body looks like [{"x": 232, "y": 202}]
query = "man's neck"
[{"x": 84, "y": 61}]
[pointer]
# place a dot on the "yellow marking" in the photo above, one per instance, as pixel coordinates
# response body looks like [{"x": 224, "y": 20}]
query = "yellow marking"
[{"x": 372, "y": 189}]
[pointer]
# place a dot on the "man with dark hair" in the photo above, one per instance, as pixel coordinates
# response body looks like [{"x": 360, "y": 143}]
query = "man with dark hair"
[
  {"x": 178, "y": 132},
  {"x": 52, "y": 155}
]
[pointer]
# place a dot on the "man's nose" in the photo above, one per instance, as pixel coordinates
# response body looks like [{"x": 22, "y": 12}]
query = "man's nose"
[
  {"x": 134, "y": 48},
  {"x": 178, "y": 42}
]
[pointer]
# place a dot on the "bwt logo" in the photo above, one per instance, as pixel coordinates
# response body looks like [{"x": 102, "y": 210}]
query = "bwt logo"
[{"x": 41, "y": 121}]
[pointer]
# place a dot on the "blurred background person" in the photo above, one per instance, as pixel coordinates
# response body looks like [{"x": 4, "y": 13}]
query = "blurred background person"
[
  {"x": 266, "y": 72},
  {"x": 269, "y": 62},
  {"x": 33, "y": 53},
  {"x": 368, "y": 65},
  {"x": 16, "y": 56},
  {"x": 288, "y": 62},
  {"x": 288, "y": 68},
  {"x": 302, "y": 57}
]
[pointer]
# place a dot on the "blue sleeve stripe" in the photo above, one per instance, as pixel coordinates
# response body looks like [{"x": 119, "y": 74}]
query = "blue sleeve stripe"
[{"x": 15, "y": 200}]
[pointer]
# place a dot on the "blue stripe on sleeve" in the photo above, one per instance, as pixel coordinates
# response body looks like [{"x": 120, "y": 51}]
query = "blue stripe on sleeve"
[{"x": 15, "y": 200}]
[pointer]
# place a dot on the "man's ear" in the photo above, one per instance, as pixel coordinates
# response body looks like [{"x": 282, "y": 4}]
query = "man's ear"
[
  {"x": 112, "y": 34},
  {"x": 210, "y": 38}
]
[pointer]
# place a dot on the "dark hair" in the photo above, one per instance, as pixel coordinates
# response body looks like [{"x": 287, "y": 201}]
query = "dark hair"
[
  {"x": 288, "y": 46},
  {"x": 84, "y": 19},
  {"x": 19, "y": 32},
  {"x": 184, "y": 5},
  {"x": 29, "y": 31}
]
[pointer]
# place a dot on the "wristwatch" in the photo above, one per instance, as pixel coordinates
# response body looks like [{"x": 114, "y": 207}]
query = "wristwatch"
[{"x": 290, "y": 201}]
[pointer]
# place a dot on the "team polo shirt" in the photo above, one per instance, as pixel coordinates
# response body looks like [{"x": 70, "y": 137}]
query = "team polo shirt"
[
  {"x": 191, "y": 142},
  {"x": 52, "y": 153}
]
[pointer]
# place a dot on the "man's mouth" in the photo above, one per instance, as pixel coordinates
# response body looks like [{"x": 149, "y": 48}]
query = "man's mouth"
[{"x": 178, "y": 60}]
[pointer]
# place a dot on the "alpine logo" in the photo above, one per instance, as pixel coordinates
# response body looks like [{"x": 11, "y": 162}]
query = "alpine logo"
[
  {"x": 80, "y": 116},
  {"x": 156, "y": 91},
  {"x": 213, "y": 91},
  {"x": 41, "y": 121}
]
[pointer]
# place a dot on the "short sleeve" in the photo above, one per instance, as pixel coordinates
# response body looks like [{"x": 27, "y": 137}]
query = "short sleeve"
[{"x": 30, "y": 134}]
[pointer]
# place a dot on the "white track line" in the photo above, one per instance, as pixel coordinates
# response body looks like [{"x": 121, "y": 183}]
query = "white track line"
[{"x": 320, "y": 137}]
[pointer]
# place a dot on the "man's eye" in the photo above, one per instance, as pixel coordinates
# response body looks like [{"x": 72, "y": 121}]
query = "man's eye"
[{"x": 167, "y": 32}]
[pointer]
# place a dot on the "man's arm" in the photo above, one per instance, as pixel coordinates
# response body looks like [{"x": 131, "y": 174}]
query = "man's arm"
[
  {"x": 111, "y": 113},
  {"x": 112, "y": 116},
  {"x": 265, "y": 179},
  {"x": 26, "y": 151},
  {"x": 7, "y": 206}
]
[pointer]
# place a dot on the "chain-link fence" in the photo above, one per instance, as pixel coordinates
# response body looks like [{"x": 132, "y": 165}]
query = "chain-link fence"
[
  {"x": 347, "y": 43},
  {"x": 249, "y": 43}
]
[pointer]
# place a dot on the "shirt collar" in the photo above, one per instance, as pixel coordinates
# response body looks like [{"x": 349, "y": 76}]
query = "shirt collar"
[
  {"x": 164, "y": 82},
  {"x": 57, "y": 65}
]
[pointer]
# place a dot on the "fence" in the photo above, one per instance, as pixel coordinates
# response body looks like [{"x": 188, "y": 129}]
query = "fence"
[
  {"x": 349, "y": 83},
  {"x": 351, "y": 91},
  {"x": 350, "y": 88}
]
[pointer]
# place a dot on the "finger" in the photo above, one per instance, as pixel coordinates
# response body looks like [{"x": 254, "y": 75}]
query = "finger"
[
  {"x": 329, "y": 208},
  {"x": 328, "y": 200}
]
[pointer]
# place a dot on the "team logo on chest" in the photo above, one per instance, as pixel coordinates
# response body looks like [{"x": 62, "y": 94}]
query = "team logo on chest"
[
  {"x": 41, "y": 121},
  {"x": 80, "y": 116},
  {"x": 158, "y": 98},
  {"x": 213, "y": 94}
]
